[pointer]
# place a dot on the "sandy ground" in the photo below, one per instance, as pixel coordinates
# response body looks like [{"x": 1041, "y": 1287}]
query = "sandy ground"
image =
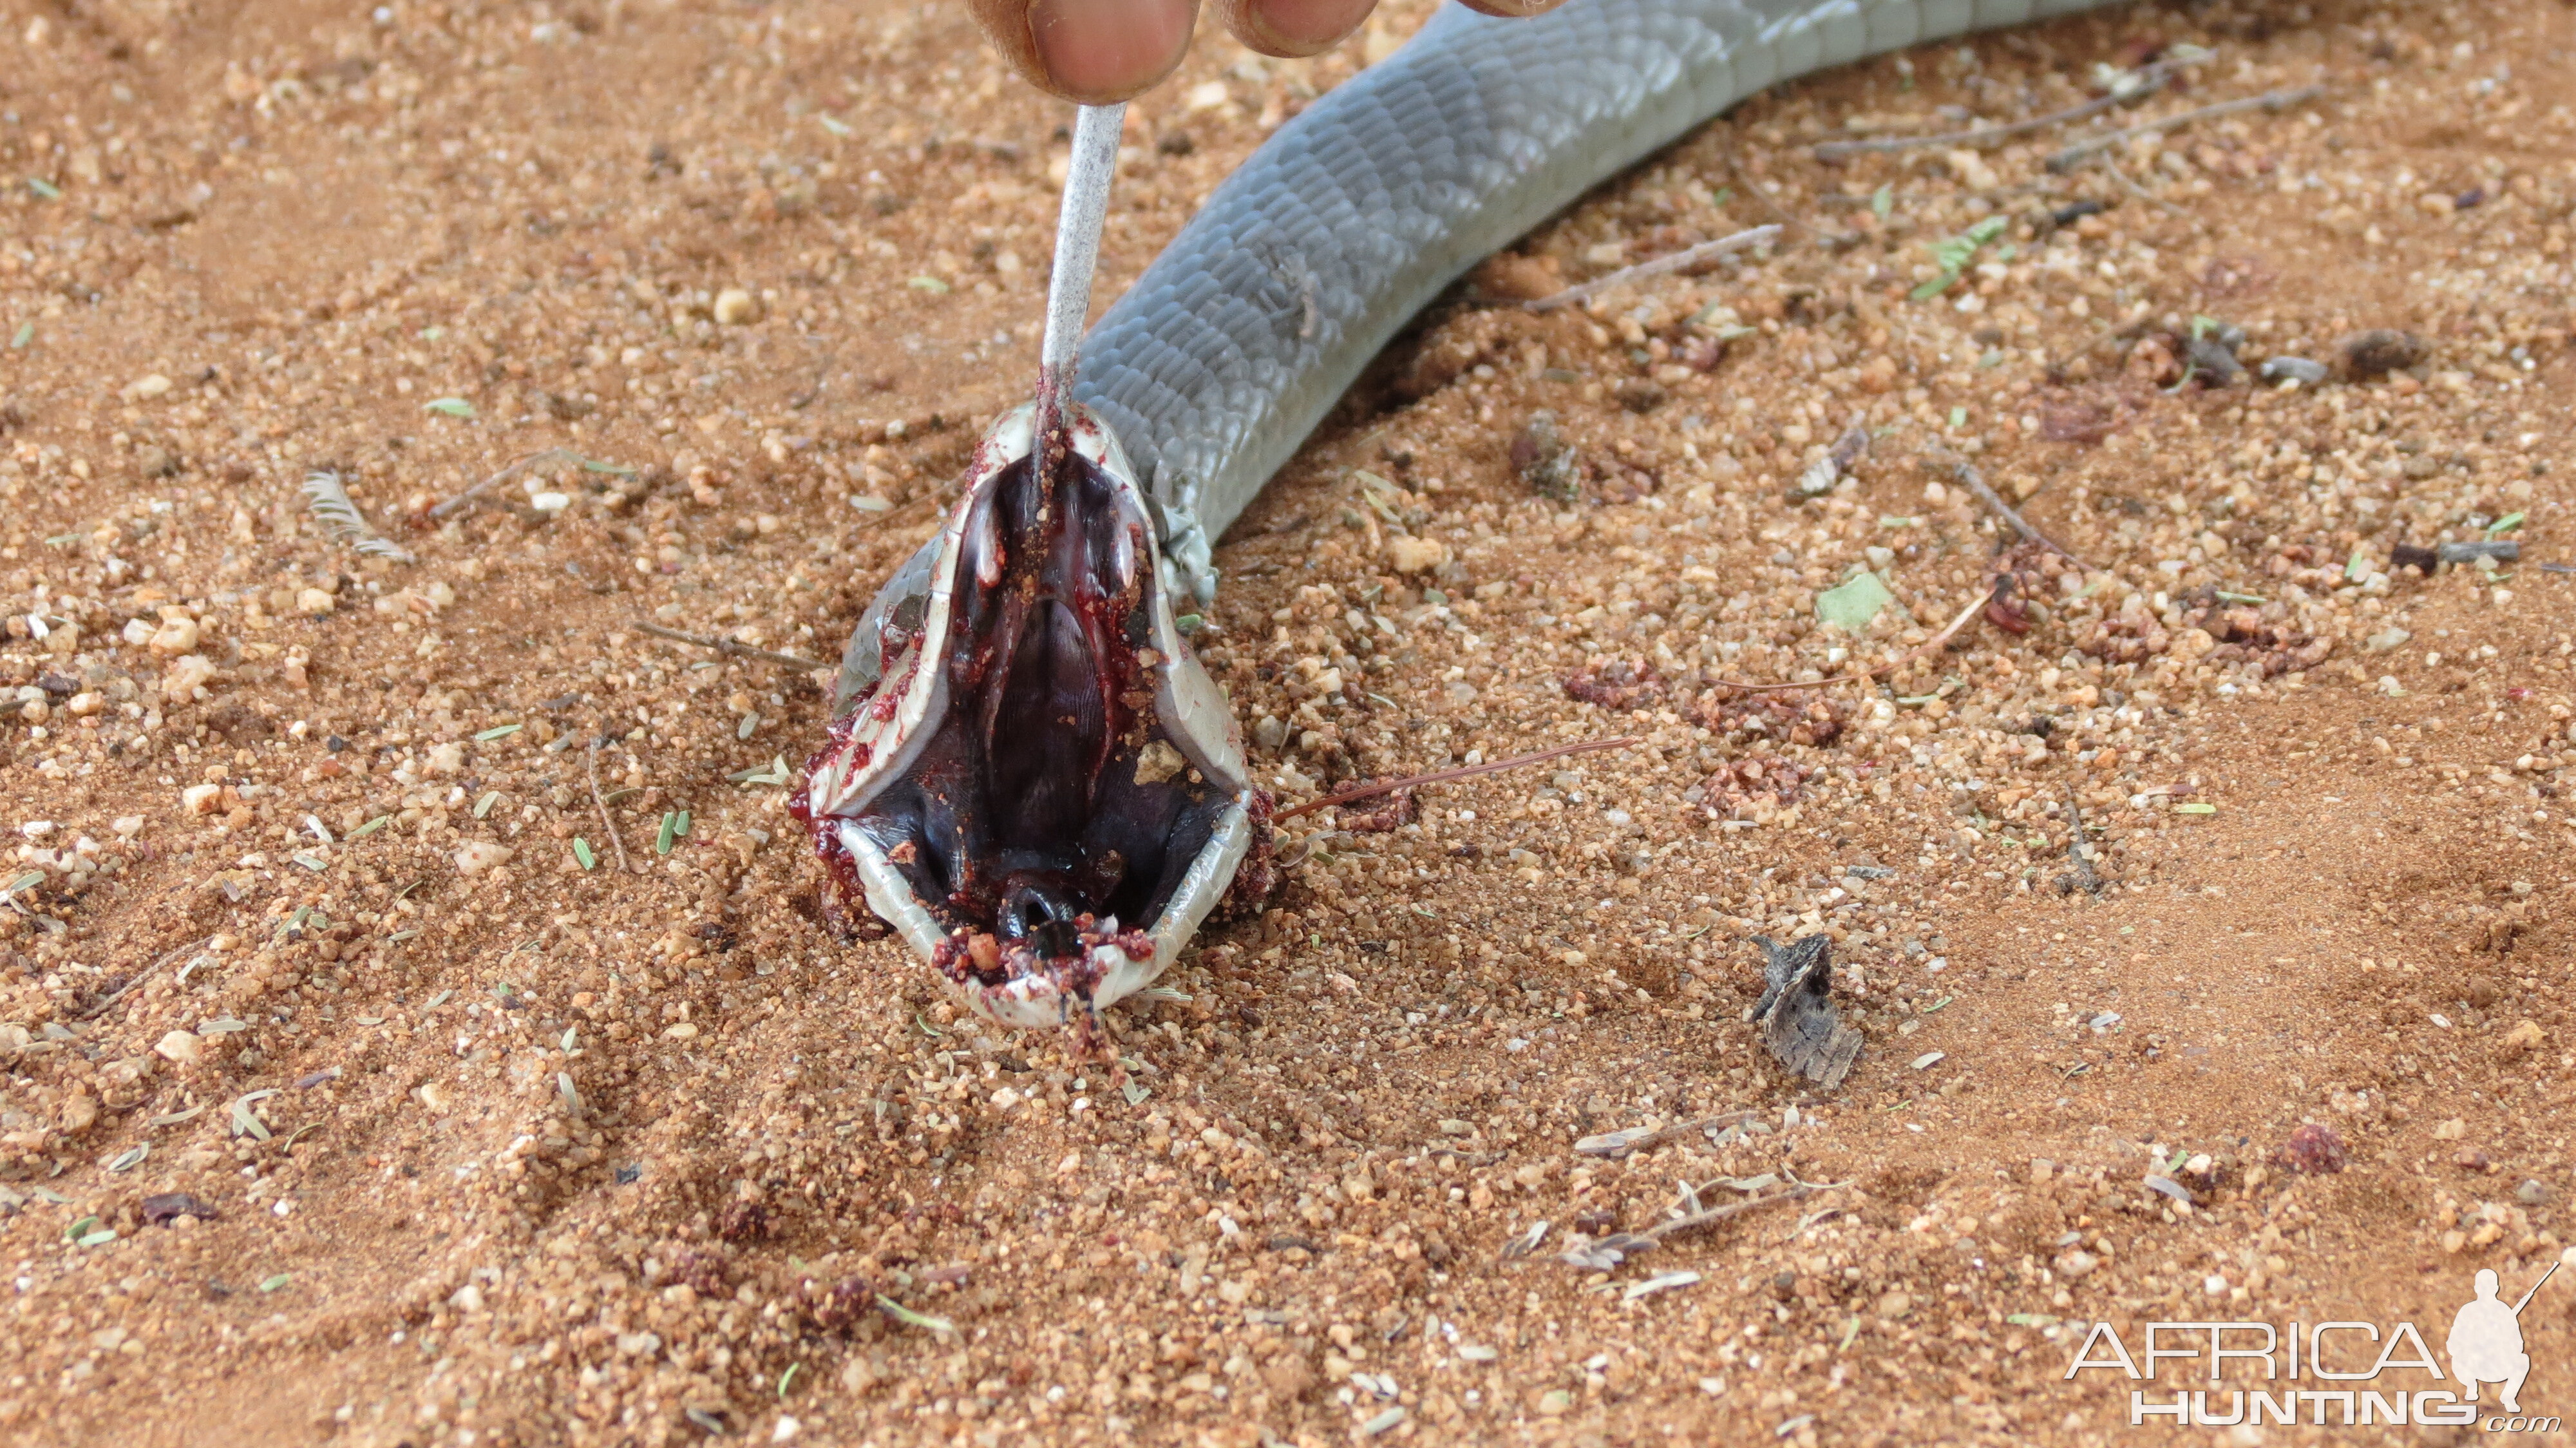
[{"x": 483, "y": 1144}]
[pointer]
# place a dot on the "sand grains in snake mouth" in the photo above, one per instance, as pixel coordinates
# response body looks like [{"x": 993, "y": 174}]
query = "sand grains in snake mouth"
[{"x": 552, "y": 1154}]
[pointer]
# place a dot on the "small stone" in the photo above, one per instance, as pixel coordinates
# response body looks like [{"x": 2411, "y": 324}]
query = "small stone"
[
  {"x": 2371, "y": 355},
  {"x": 1895, "y": 1305},
  {"x": 1637, "y": 394},
  {"x": 2294, "y": 369},
  {"x": 188, "y": 673},
  {"x": 201, "y": 799},
  {"x": 2524, "y": 1038},
  {"x": 2314, "y": 1148},
  {"x": 736, "y": 307},
  {"x": 80, "y": 1112},
  {"x": 477, "y": 856},
  {"x": 448, "y": 758},
  {"x": 314, "y": 603},
  {"x": 181, "y": 1047},
  {"x": 174, "y": 637},
  {"x": 1416, "y": 555},
  {"x": 147, "y": 386},
  {"x": 2075, "y": 1263}
]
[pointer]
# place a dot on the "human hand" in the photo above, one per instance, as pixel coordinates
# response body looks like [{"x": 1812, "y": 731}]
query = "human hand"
[{"x": 1100, "y": 51}]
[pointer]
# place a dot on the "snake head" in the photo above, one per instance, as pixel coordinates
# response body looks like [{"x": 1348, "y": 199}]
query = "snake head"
[{"x": 1030, "y": 776}]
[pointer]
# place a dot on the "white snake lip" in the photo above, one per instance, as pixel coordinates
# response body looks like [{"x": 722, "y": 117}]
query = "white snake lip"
[{"x": 919, "y": 806}]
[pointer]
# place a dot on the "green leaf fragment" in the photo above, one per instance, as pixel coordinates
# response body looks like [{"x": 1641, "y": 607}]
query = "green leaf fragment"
[
  {"x": 2195, "y": 809},
  {"x": 2504, "y": 525},
  {"x": 25, "y": 334},
  {"x": 484, "y": 805},
  {"x": 276, "y": 1282},
  {"x": 450, "y": 407},
  {"x": 44, "y": 188},
  {"x": 99, "y": 1238},
  {"x": 668, "y": 832},
  {"x": 910, "y": 1318},
  {"x": 1852, "y": 606},
  {"x": 371, "y": 826},
  {"x": 80, "y": 1229},
  {"x": 581, "y": 852},
  {"x": 1882, "y": 201},
  {"x": 499, "y": 731},
  {"x": 932, "y": 285}
]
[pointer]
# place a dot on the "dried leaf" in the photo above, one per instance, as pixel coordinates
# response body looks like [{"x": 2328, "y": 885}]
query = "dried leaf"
[{"x": 327, "y": 498}]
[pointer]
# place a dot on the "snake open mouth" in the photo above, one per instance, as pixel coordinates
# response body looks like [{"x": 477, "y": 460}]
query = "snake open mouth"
[{"x": 1039, "y": 783}]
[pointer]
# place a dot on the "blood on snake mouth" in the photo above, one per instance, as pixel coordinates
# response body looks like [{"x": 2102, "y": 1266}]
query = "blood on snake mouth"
[{"x": 1043, "y": 800}]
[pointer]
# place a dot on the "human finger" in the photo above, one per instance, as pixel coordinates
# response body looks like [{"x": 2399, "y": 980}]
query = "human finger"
[
  {"x": 1293, "y": 27},
  {"x": 1091, "y": 51},
  {"x": 1512, "y": 9}
]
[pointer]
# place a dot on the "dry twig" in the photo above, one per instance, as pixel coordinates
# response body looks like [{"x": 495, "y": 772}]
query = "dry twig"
[
  {"x": 139, "y": 977},
  {"x": 1688, "y": 256},
  {"x": 2151, "y": 80},
  {"x": 2269, "y": 100},
  {"x": 1616, "y": 1144},
  {"x": 517, "y": 466},
  {"x": 606, "y": 823},
  {"x": 729, "y": 646},
  {"x": 2083, "y": 877},
  {"x": 1975, "y": 482}
]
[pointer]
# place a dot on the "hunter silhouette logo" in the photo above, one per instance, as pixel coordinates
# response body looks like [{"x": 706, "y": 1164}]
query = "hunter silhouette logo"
[
  {"x": 2328, "y": 1374},
  {"x": 2486, "y": 1340}
]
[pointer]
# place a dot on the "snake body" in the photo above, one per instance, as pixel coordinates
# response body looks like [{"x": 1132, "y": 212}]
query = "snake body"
[
  {"x": 1031, "y": 777},
  {"x": 1224, "y": 355}
]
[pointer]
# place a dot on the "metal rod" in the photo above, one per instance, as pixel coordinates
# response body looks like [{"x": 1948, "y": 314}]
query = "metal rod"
[{"x": 1077, "y": 235}]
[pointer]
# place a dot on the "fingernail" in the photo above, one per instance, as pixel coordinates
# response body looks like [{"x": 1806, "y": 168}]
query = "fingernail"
[
  {"x": 1305, "y": 27},
  {"x": 1104, "y": 50}
]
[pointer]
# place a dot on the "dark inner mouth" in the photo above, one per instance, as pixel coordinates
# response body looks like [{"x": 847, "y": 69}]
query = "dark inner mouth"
[{"x": 1024, "y": 810}]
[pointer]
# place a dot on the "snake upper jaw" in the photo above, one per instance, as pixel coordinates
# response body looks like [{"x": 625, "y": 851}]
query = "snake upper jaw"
[{"x": 1029, "y": 751}]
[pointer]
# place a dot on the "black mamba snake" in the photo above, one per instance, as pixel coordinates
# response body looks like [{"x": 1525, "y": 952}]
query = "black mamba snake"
[{"x": 1027, "y": 753}]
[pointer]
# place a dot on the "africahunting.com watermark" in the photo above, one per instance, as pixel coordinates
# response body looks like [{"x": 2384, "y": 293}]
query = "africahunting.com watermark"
[{"x": 2329, "y": 1374}]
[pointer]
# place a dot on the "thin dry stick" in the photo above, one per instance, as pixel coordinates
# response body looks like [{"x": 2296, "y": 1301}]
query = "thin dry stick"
[
  {"x": 1625, "y": 275},
  {"x": 140, "y": 977},
  {"x": 1932, "y": 645},
  {"x": 1617, "y": 1144},
  {"x": 516, "y": 467},
  {"x": 728, "y": 645},
  {"x": 1371, "y": 791},
  {"x": 1976, "y": 484},
  {"x": 1670, "y": 1227},
  {"x": 2152, "y": 79},
  {"x": 606, "y": 824},
  {"x": 2269, "y": 100}
]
